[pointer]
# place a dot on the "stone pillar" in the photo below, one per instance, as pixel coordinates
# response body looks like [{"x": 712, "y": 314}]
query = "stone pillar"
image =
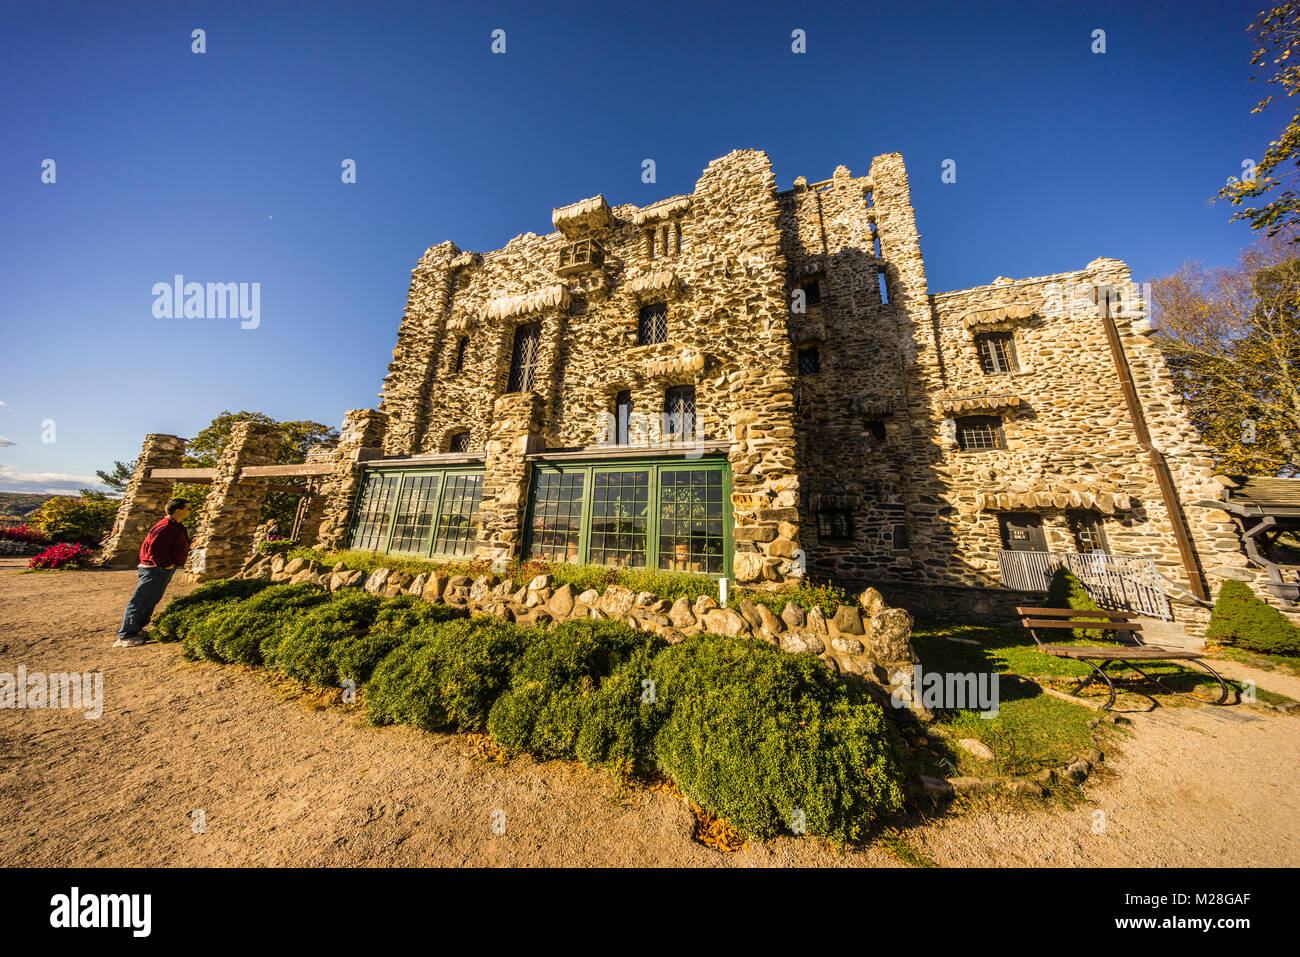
[
  {"x": 516, "y": 430},
  {"x": 145, "y": 499},
  {"x": 405, "y": 395},
  {"x": 330, "y": 514},
  {"x": 230, "y": 514}
]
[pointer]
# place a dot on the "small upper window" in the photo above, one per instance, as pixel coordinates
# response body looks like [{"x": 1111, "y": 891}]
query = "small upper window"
[
  {"x": 812, "y": 292},
  {"x": 809, "y": 361},
  {"x": 1087, "y": 530},
  {"x": 461, "y": 346},
  {"x": 997, "y": 353},
  {"x": 980, "y": 433},
  {"x": 459, "y": 442},
  {"x": 652, "y": 324},
  {"x": 834, "y": 525},
  {"x": 876, "y": 428},
  {"x": 900, "y": 537}
]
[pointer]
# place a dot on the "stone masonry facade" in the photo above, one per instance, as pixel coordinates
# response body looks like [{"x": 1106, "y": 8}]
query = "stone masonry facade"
[{"x": 876, "y": 432}]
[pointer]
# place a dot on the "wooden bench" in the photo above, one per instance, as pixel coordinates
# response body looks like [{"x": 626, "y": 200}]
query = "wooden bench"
[{"x": 1120, "y": 622}]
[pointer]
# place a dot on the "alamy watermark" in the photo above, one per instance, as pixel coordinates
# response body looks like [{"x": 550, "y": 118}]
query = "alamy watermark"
[
  {"x": 977, "y": 691},
  {"x": 214, "y": 300},
  {"x": 73, "y": 690}
]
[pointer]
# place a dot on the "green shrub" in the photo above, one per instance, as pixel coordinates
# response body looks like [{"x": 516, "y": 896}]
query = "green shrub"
[
  {"x": 398, "y": 618},
  {"x": 1066, "y": 591},
  {"x": 306, "y": 651},
  {"x": 85, "y": 520},
  {"x": 263, "y": 620},
  {"x": 446, "y": 675},
  {"x": 181, "y": 613},
  {"x": 622, "y": 716},
  {"x": 555, "y": 691},
  {"x": 1243, "y": 619},
  {"x": 756, "y": 735}
]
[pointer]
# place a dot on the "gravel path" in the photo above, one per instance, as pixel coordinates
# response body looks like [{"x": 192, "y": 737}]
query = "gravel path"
[{"x": 282, "y": 784}]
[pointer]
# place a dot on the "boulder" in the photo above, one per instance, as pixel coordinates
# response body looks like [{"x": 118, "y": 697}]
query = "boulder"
[
  {"x": 793, "y": 615},
  {"x": 749, "y": 612},
  {"x": 672, "y": 636},
  {"x": 617, "y": 601},
  {"x": 871, "y": 601},
  {"x": 277, "y": 564},
  {"x": 817, "y": 621},
  {"x": 977, "y": 748},
  {"x": 377, "y": 580},
  {"x": 416, "y": 587},
  {"x": 891, "y": 636},
  {"x": 589, "y": 597},
  {"x": 434, "y": 587},
  {"x": 769, "y": 622},
  {"x": 295, "y": 566},
  {"x": 848, "y": 646},
  {"x": 848, "y": 620},
  {"x": 704, "y": 604},
  {"x": 645, "y": 599},
  {"x": 681, "y": 615},
  {"x": 561, "y": 602},
  {"x": 304, "y": 575},
  {"x": 540, "y": 582},
  {"x": 725, "y": 621},
  {"x": 461, "y": 581}
]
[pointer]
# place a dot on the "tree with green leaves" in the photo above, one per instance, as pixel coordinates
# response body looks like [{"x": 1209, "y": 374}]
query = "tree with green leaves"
[
  {"x": 297, "y": 438},
  {"x": 1277, "y": 33},
  {"x": 1231, "y": 338},
  {"x": 116, "y": 480}
]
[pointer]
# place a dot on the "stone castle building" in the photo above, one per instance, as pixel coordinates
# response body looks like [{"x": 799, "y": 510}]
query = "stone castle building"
[{"x": 759, "y": 383}]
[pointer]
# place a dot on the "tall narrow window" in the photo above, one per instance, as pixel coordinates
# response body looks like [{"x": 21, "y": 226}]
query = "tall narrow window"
[
  {"x": 652, "y": 324},
  {"x": 459, "y": 442},
  {"x": 997, "y": 353},
  {"x": 523, "y": 358},
  {"x": 812, "y": 291},
  {"x": 679, "y": 412},
  {"x": 461, "y": 346},
  {"x": 810, "y": 361},
  {"x": 622, "y": 417},
  {"x": 883, "y": 279},
  {"x": 1087, "y": 530}
]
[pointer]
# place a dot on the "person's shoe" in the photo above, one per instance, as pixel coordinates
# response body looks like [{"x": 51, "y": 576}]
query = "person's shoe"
[{"x": 135, "y": 641}]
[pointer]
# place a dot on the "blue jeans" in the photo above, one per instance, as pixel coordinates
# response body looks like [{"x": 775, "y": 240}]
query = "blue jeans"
[{"x": 148, "y": 592}]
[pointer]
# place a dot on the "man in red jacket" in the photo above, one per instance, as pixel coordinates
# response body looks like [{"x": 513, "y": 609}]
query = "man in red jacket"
[{"x": 165, "y": 549}]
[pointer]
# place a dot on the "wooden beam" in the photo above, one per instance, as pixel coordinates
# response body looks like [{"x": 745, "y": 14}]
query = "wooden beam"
[
  {"x": 271, "y": 471},
  {"x": 195, "y": 476}
]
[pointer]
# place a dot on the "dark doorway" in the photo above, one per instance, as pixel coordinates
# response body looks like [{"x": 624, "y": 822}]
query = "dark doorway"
[{"x": 1023, "y": 532}]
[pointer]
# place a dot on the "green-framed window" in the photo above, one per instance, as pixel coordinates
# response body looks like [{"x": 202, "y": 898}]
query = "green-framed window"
[
  {"x": 673, "y": 514},
  {"x": 419, "y": 512}
]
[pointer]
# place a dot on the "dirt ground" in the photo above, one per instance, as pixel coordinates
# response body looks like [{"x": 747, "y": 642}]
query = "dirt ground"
[{"x": 279, "y": 783}]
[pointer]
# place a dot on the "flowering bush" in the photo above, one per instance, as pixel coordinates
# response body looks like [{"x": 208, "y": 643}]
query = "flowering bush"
[
  {"x": 22, "y": 533},
  {"x": 62, "y": 556}
]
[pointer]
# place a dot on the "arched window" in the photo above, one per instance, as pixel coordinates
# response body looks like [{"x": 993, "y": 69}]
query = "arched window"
[
  {"x": 679, "y": 412},
  {"x": 459, "y": 442}
]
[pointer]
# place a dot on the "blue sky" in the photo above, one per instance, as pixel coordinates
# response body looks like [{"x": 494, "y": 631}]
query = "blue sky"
[{"x": 225, "y": 166}]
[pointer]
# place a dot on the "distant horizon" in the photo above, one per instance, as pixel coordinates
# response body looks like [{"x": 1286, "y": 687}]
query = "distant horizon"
[{"x": 229, "y": 166}]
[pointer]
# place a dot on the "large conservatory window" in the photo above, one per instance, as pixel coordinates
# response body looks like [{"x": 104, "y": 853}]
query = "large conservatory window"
[
  {"x": 456, "y": 531},
  {"x": 690, "y": 520},
  {"x": 672, "y": 515},
  {"x": 556, "y": 527},
  {"x": 374, "y": 511},
  {"x": 619, "y": 503},
  {"x": 426, "y": 512},
  {"x": 414, "y": 513}
]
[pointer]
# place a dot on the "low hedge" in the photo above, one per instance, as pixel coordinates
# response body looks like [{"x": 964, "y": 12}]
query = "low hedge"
[
  {"x": 563, "y": 693},
  {"x": 757, "y": 735},
  {"x": 1242, "y": 619},
  {"x": 446, "y": 676},
  {"x": 308, "y": 649},
  {"x": 184, "y": 612},
  {"x": 771, "y": 741}
]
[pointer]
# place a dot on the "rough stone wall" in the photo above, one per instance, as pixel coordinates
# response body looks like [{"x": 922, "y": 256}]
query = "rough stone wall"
[
  {"x": 144, "y": 501},
  {"x": 230, "y": 512},
  {"x": 516, "y": 430},
  {"x": 362, "y": 437},
  {"x": 724, "y": 289}
]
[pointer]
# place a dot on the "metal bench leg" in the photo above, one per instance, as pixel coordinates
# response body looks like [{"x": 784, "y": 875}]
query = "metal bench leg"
[
  {"x": 1224, "y": 692},
  {"x": 1093, "y": 677},
  {"x": 1223, "y": 698}
]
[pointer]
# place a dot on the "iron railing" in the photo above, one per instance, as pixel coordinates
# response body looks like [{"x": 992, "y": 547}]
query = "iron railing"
[{"x": 1121, "y": 582}]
